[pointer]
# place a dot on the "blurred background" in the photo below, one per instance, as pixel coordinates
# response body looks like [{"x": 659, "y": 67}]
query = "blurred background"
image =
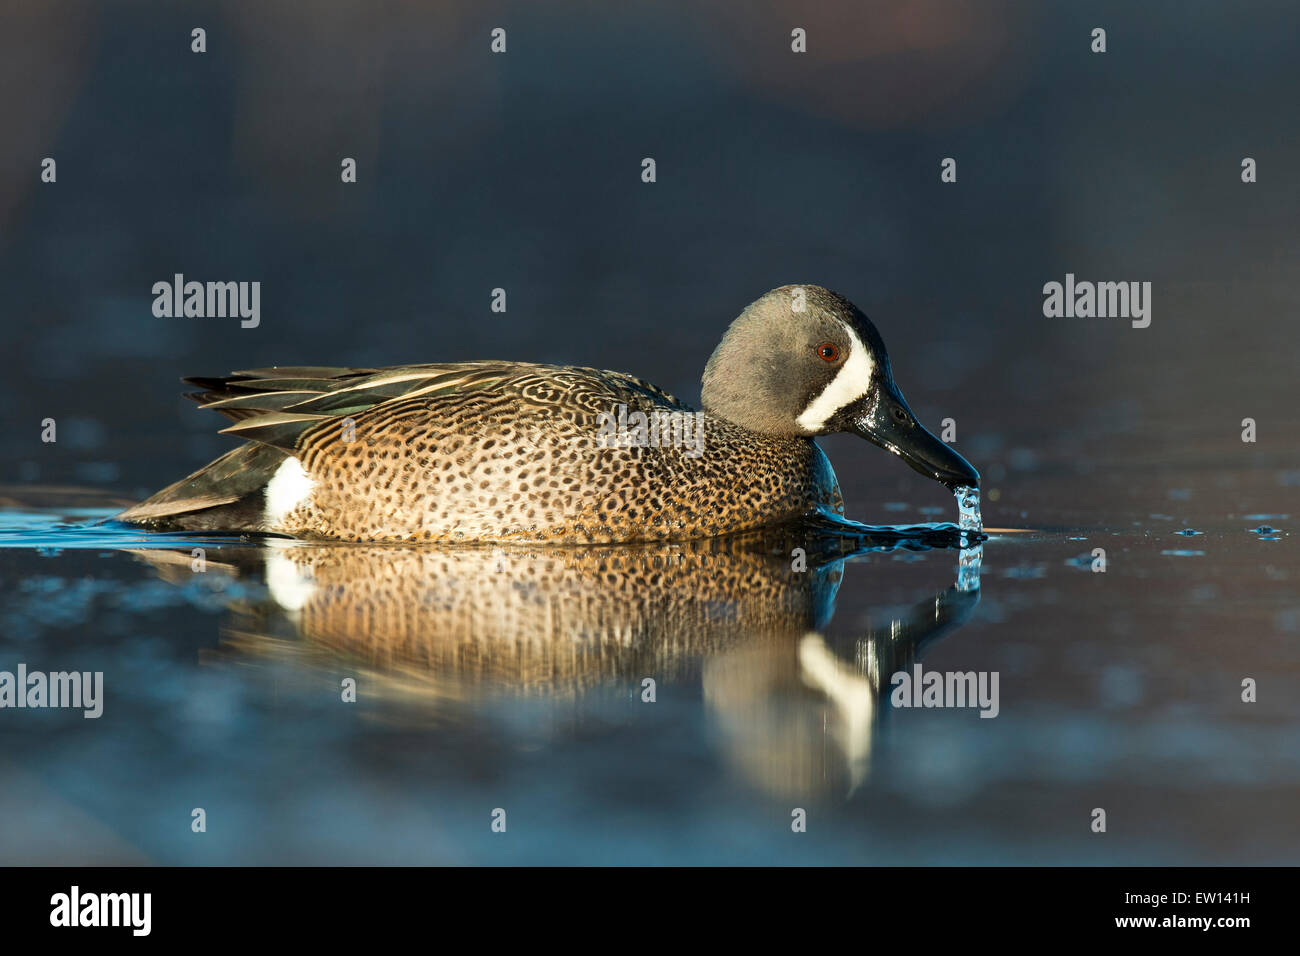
[{"x": 522, "y": 171}]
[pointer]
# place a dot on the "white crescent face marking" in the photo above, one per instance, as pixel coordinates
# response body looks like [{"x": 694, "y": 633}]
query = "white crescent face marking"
[
  {"x": 851, "y": 383},
  {"x": 288, "y": 487}
]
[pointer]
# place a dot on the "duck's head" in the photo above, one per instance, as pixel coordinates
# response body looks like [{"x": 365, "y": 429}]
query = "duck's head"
[{"x": 804, "y": 361}]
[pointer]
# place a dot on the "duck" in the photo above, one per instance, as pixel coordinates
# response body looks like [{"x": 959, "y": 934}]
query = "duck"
[{"x": 502, "y": 451}]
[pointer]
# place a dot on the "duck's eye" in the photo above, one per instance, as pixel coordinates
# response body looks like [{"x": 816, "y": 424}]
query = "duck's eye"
[{"x": 828, "y": 351}]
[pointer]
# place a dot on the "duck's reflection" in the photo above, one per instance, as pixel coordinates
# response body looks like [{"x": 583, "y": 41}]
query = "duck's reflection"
[
  {"x": 805, "y": 720},
  {"x": 795, "y": 713}
]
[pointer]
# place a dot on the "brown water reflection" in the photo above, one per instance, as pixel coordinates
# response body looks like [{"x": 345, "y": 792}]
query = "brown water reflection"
[{"x": 419, "y": 628}]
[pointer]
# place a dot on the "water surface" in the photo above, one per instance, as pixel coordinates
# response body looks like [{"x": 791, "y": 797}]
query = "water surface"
[{"x": 513, "y": 678}]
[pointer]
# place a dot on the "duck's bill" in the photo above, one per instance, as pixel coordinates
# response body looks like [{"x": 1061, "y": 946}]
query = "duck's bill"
[{"x": 889, "y": 423}]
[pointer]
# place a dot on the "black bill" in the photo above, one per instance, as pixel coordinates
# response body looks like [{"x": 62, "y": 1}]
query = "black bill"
[{"x": 885, "y": 420}]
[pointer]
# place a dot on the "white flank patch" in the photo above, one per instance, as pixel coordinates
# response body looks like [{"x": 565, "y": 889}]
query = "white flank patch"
[
  {"x": 288, "y": 487},
  {"x": 290, "y": 585},
  {"x": 852, "y": 382}
]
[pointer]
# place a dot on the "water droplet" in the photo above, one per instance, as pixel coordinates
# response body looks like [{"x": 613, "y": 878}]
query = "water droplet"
[
  {"x": 968, "y": 568},
  {"x": 968, "y": 504}
]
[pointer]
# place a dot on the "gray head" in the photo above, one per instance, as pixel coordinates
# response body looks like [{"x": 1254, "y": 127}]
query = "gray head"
[{"x": 803, "y": 360}]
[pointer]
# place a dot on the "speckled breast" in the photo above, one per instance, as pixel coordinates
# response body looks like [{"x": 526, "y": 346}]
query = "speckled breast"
[{"x": 596, "y": 460}]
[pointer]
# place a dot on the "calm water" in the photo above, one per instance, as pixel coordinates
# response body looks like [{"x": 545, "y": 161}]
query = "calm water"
[{"x": 512, "y": 678}]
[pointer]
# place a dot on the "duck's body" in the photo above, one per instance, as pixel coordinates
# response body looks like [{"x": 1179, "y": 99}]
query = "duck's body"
[
  {"x": 506, "y": 451},
  {"x": 483, "y": 451}
]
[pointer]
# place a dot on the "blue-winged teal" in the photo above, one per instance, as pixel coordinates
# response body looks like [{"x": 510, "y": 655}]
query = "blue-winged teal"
[{"x": 508, "y": 451}]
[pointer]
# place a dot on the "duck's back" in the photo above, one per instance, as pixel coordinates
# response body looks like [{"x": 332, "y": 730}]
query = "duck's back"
[{"x": 485, "y": 451}]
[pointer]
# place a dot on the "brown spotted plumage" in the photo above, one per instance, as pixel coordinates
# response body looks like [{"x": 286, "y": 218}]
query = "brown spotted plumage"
[{"x": 496, "y": 451}]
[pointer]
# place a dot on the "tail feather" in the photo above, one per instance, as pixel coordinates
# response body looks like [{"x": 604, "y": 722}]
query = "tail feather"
[{"x": 237, "y": 478}]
